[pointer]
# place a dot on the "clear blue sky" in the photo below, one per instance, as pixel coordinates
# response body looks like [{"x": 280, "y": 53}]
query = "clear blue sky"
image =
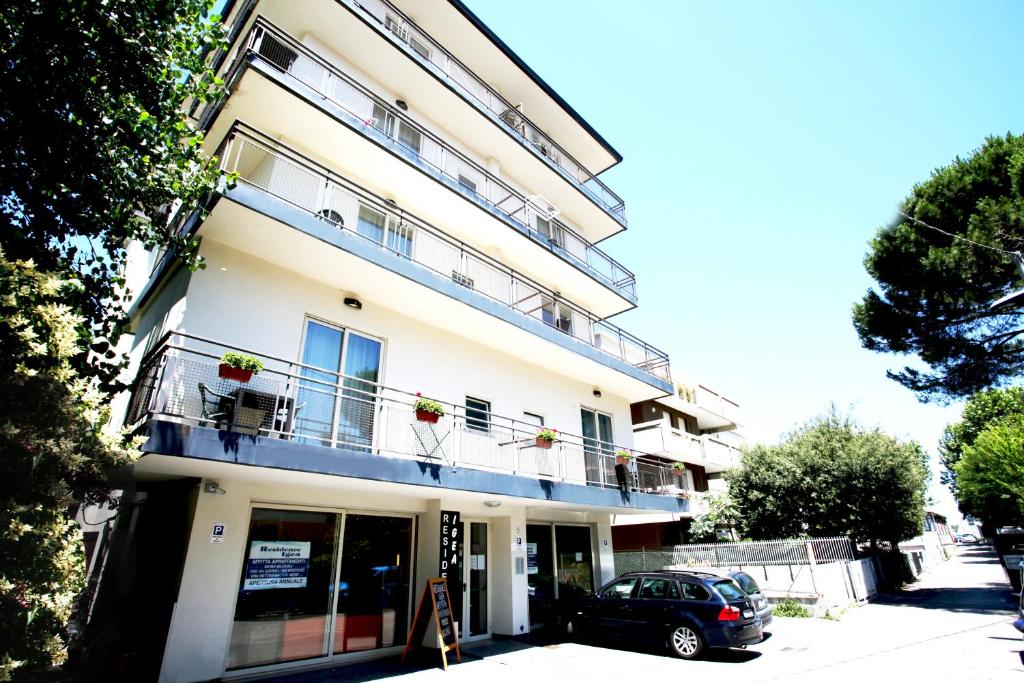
[{"x": 763, "y": 144}]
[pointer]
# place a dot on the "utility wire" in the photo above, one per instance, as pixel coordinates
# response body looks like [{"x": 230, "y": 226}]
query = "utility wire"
[{"x": 960, "y": 237}]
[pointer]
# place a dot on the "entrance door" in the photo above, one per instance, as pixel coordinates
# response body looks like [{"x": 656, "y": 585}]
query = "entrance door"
[
  {"x": 540, "y": 574},
  {"x": 575, "y": 561},
  {"x": 476, "y": 568}
]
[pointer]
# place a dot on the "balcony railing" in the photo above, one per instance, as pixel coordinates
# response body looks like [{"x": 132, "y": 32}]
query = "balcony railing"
[
  {"x": 391, "y": 20},
  {"x": 180, "y": 381},
  {"x": 279, "y": 50},
  {"x": 264, "y": 164},
  {"x": 663, "y": 439}
]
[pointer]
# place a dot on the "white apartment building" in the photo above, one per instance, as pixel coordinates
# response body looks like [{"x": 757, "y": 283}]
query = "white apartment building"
[{"x": 415, "y": 212}]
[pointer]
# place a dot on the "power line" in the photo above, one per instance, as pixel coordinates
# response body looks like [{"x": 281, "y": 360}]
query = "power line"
[{"x": 960, "y": 237}]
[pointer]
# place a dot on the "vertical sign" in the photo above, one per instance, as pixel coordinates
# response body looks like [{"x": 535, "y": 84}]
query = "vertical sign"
[{"x": 451, "y": 525}]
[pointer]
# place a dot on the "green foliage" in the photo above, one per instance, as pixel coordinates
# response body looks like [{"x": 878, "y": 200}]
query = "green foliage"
[
  {"x": 982, "y": 410},
  {"x": 722, "y": 514},
  {"x": 933, "y": 291},
  {"x": 832, "y": 478},
  {"x": 990, "y": 475},
  {"x": 242, "y": 361},
  {"x": 426, "y": 405},
  {"x": 97, "y": 149},
  {"x": 547, "y": 434},
  {"x": 96, "y": 152},
  {"x": 624, "y": 454},
  {"x": 791, "y": 608}
]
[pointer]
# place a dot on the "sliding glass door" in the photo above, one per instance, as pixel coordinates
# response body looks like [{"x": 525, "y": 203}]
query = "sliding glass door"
[
  {"x": 316, "y": 584},
  {"x": 334, "y": 405}
]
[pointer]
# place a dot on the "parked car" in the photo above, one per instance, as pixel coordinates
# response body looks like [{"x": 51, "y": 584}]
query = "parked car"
[
  {"x": 749, "y": 585},
  {"x": 687, "y": 611},
  {"x": 966, "y": 538},
  {"x": 1019, "y": 621}
]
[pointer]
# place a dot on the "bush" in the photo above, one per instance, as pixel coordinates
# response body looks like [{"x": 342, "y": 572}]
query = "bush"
[{"x": 791, "y": 608}]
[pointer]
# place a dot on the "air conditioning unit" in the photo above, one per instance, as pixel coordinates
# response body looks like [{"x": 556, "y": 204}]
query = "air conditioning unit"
[{"x": 542, "y": 206}]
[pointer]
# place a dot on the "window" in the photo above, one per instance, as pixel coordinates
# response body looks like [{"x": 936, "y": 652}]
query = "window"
[
  {"x": 478, "y": 414},
  {"x": 371, "y": 224},
  {"x": 535, "y": 420},
  {"x": 747, "y": 583},
  {"x": 659, "y": 589},
  {"x": 729, "y": 590},
  {"x": 552, "y": 232},
  {"x": 386, "y": 123},
  {"x": 619, "y": 590},
  {"x": 409, "y": 136},
  {"x": 556, "y": 315},
  {"x": 597, "y": 446},
  {"x": 694, "y": 591}
]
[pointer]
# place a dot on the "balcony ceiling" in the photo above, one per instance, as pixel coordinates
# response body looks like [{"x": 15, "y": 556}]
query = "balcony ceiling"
[
  {"x": 263, "y": 103},
  {"x": 270, "y": 240},
  {"x": 339, "y": 27}
]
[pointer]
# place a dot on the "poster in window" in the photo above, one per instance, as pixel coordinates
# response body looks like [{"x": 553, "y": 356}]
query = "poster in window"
[
  {"x": 531, "y": 559},
  {"x": 276, "y": 564}
]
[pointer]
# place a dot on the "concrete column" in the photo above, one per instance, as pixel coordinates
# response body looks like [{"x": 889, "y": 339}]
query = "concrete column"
[
  {"x": 605, "y": 569},
  {"x": 201, "y": 623},
  {"x": 510, "y": 602}
]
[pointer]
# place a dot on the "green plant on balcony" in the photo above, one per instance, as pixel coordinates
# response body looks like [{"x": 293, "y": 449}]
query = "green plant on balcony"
[
  {"x": 688, "y": 394},
  {"x": 679, "y": 466},
  {"x": 238, "y": 366},
  {"x": 622, "y": 457},
  {"x": 427, "y": 410},
  {"x": 546, "y": 437}
]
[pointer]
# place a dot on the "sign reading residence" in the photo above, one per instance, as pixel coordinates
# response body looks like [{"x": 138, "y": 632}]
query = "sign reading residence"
[
  {"x": 451, "y": 525},
  {"x": 276, "y": 564}
]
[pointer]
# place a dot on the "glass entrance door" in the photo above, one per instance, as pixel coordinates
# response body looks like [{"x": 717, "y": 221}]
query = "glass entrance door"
[
  {"x": 540, "y": 574},
  {"x": 575, "y": 561},
  {"x": 476, "y": 569}
]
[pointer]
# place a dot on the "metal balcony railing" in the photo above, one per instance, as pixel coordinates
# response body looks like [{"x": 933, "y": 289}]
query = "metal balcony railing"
[
  {"x": 265, "y": 164},
  {"x": 179, "y": 380},
  {"x": 658, "y": 437},
  {"x": 279, "y": 50},
  {"x": 391, "y": 21}
]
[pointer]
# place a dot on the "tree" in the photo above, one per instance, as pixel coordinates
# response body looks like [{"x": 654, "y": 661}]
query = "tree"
[
  {"x": 934, "y": 289},
  {"x": 96, "y": 152},
  {"x": 832, "y": 478},
  {"x": 721, "y": 514},
  {"x": 982, "y": 410},
  {"x": 990, "y": 475}
]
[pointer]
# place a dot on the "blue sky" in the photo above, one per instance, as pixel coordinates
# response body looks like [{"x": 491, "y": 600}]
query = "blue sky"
[{"x": 763, "y": 145}]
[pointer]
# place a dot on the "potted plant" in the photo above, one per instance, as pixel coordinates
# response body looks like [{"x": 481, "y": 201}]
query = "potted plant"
[
  {"x": 546, "y": 437},
  {"x": 622, "y": 457},
  {"x": 238, "y": 366},
  {"x": 679, "y": 467},
  {"x": 427, "y": 410}
]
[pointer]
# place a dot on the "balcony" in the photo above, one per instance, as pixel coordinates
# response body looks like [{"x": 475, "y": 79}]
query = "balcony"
[
  {"x": 303, "y": 406},
  {"x": 344, "y": 209},
  {"x": 708, "y": 451},
  {"x": 393, "y": 24},
  {"x": 374, "y": 117}
]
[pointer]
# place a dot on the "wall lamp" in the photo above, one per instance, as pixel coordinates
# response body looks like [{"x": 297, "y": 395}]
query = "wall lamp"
[
  {"x": 492, "y": 503},
  {"x": 353, "y": 302},
  {"x": 213, "y": 487},
  {"x": 401, "y": 104}
]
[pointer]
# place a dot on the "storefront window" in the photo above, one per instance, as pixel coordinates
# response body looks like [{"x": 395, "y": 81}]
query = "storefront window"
[
  {"x": 284, "y": 596},
  {"x": 373, "y": 589},
  {"x": 575, "y": 561}
]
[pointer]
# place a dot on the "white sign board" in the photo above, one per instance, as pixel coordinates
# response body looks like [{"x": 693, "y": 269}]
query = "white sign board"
[{"x": 276, "y": 564}]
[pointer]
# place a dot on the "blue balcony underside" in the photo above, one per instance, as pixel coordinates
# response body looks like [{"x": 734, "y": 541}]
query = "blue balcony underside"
[{"x": 205, "y": 443}]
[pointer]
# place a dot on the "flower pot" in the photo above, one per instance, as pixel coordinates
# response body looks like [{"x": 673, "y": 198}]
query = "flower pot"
[
  {"x": 543, "y": 443},
  {"x": 619, "y": 460},
  {"x": 238, "y": 374},
  {"x": 427, "y": 416}
]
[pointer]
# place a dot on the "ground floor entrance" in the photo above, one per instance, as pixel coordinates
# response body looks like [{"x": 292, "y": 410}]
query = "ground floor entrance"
[{"x": 559, "y": 563}]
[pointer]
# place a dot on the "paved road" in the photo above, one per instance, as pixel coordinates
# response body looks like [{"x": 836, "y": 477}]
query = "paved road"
[{"x": 952, "y": 625}]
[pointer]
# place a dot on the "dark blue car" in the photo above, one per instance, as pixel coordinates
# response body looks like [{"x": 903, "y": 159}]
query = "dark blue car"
[{"x": 688, "y": 611}]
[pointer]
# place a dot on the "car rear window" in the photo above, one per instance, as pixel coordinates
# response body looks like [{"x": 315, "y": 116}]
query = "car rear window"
[
  {"x": 694, "y": 591},
  {"x": 729, "y": 590},
  {"x": 747, "y": 583}
]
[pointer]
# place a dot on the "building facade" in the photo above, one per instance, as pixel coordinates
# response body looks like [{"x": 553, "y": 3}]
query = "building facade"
[{"x": 408, "y": 211}]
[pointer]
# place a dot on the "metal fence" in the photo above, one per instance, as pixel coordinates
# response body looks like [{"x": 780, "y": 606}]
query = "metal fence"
[
  {"x": 273, "y": 168},
  {"x": 276, "y": 48},
  {"x": 181, "y": 381},
  {"x": 748, "y": 553}
]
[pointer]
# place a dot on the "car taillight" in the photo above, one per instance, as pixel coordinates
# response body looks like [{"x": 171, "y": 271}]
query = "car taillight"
[{"x": 729, "y": 613}]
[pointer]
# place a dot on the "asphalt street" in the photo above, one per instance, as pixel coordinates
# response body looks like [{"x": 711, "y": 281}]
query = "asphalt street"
[{"x": 953, "y": 624}]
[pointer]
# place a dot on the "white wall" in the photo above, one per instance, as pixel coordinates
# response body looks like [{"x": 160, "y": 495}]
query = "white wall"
[{"x": 261, "y": 307}]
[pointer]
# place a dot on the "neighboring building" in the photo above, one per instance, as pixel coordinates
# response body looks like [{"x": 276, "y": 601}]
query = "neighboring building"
[
  {"x": 416, "y": 211},
  {"x": 936, "y": 543},
  {"x": 697, "y": 429}
]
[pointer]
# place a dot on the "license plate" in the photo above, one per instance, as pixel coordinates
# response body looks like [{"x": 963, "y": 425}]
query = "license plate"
[{"x": 748, "y": 613}]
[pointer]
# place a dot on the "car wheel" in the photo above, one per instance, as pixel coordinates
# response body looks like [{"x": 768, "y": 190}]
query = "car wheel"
[{"x": 685, "y": 642}]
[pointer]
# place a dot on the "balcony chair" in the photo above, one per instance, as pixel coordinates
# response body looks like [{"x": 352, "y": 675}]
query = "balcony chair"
[{"x": 216, "y": 407}]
